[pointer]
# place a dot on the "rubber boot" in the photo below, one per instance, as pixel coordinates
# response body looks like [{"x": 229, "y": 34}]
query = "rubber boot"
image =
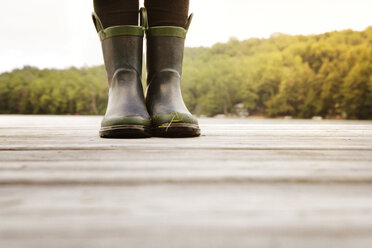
[
  {"x": 169, "y": 114},
  {"x": 126, "y": 114}
]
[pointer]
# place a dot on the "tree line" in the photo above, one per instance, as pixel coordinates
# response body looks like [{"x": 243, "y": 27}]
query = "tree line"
[{"x": 328, "y": 75}]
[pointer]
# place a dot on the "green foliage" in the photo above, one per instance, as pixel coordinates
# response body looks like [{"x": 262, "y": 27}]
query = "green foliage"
[
  {"x": 71, "y": 91},
  {"x": 327, "y": 75}
]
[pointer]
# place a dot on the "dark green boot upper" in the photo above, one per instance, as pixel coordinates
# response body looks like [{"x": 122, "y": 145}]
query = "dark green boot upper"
[
  {"x": 122, "y": 51},
  {"x": 165, "y": 47}
]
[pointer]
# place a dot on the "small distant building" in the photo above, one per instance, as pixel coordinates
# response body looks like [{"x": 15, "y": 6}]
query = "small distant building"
[{"x": 240, "y": 110}]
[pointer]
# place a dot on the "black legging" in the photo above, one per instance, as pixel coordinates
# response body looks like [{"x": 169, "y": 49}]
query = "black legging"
[{"x": 125, "y": 12}]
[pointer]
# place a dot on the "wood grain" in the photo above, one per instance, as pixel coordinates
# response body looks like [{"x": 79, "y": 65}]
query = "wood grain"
[{"x": 243, "y": 183}]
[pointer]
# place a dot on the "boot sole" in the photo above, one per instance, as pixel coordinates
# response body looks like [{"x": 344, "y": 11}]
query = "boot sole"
[
  {"x": 124, "y": 131},
  {"x": 176, "y": 130}
]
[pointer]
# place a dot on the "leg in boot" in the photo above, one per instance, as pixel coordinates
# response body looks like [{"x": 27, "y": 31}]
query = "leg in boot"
[
  {"x": 169, "y": 114},
  {"x": 126, "y": 114},
  {"x": 117, "y": 12}
]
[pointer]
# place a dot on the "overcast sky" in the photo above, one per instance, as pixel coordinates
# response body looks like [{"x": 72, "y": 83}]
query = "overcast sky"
[{"x": 60, "y": 33}]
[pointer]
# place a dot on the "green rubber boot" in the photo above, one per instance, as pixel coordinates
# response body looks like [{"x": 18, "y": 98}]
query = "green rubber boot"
[
  {"x": 126, "y": 114},
  {"x": 169, "y": 114}
]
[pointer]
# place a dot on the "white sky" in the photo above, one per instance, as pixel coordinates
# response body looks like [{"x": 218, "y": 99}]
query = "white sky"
[{"x": 60, "y": 33}]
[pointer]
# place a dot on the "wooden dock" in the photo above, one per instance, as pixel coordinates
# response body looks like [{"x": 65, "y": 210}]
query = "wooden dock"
[{"x": 243, "y": 183}]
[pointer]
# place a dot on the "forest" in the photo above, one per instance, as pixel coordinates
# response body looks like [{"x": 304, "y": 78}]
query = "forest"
[{"x": 327, "y": 75}]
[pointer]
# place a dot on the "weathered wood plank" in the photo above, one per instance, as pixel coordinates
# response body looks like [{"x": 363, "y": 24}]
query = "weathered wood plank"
[
  {"x": 199, "y": 215},
  {"x": 244, "y": 183}
]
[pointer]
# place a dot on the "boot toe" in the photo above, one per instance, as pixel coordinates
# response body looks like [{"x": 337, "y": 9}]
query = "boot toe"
[
  {"x": 175, "y": 125},
  {"x": 125, "y": 127}
]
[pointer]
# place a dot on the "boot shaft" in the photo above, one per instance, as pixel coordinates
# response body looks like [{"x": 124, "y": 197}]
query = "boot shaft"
[
  {"x": 165, "y": 48},
  {"x": 122, "y": 47},
  {"x": 164, "y": 53},
  {"x": 122, "y": 52}
]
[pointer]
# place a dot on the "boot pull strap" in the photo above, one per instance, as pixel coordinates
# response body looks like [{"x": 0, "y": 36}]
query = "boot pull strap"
[
  {"x": 121, "y": 30},
  {"x": 144, "y": 18},
  {"x": 97, "y": 22},
  {"x": 189, "y": 21}
]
